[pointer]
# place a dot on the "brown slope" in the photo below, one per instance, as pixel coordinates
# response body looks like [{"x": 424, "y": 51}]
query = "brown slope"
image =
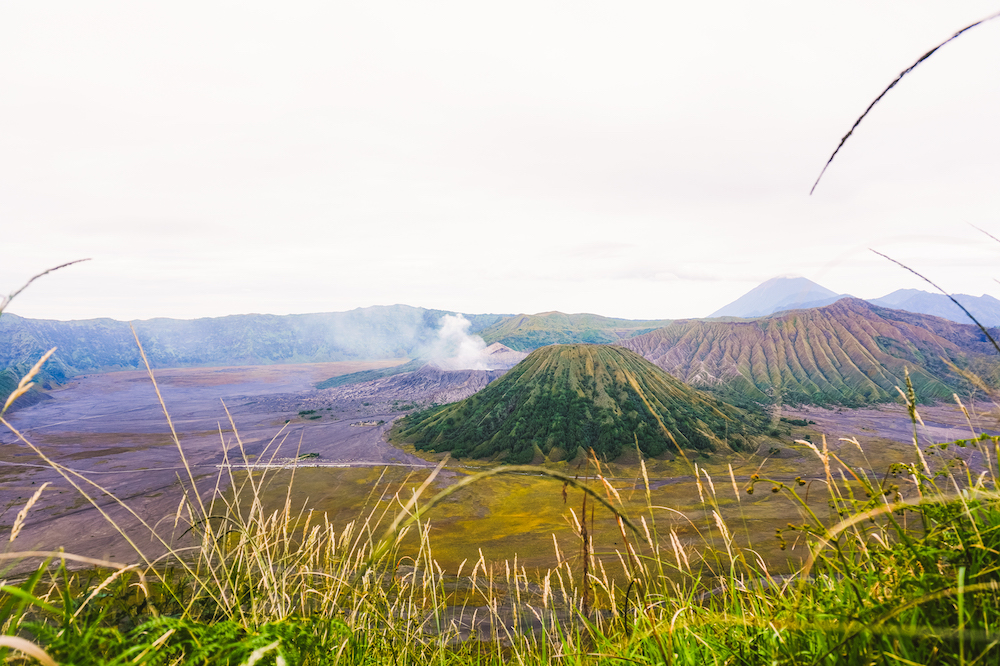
[{"x": 849, "y": 352}]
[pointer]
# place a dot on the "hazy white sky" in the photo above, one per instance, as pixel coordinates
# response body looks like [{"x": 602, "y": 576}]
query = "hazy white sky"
[{"x": 637, "y": 159}]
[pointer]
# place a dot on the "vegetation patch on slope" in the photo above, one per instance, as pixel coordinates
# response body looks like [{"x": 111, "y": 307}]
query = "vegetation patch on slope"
[
  {"x": 566, "y": 397},
  {"x": 526, "y": 332}
]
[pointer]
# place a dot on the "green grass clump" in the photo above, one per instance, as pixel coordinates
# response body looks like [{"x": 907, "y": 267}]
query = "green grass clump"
[{"x": 902, "y": 567}]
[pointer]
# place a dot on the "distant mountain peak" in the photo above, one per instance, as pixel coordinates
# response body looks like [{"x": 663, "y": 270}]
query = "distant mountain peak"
[
  {"x": 779, "y": 293},
  {"x": 985, "y": 308}
]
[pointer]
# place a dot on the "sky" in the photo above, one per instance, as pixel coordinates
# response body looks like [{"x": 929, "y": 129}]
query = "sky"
[{"x": 638, "y": 159}]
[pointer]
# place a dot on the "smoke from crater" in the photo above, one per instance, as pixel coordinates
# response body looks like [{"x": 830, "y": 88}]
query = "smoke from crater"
[{"x": 455, "y": 348}]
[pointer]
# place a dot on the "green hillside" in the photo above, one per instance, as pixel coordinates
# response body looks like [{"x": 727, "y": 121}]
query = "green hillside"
[
  {"x": 850, "y": 353},
  {"x": 526, "y": 332},
  {"x": 564, "y": 397}
]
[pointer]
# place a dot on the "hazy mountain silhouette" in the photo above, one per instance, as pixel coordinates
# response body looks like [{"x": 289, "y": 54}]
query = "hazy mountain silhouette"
[
  {"x": 787, "y": 293},
  {"x": 99, "y": 345},
  {"x": 985, "y": 308},
  {"x": 780, "y": 293}
]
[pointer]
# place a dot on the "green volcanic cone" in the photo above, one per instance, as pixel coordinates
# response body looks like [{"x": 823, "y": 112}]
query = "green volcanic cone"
[{"x": 563, "y": 397}]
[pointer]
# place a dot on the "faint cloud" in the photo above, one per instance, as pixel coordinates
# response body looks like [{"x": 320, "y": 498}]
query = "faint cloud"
[
  {"x": 599, "y": 250},
  {"x": 691, "y": 275},
  {"x": 146, "y": 227}
]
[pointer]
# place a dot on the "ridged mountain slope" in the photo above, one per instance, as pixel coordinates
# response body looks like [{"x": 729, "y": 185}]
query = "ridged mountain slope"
[
  {"x": 525, "y": 332},
  {"x": 849, "y": 353},
  {"x": 562, "y": 397}
]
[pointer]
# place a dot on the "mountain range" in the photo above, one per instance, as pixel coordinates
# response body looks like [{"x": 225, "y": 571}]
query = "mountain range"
[
  {"x": 101, "y": 345},
  {"x": 795, "y": 293},
  {"x": 848, "y": 352},
  {"x": 985, "y": 308}
]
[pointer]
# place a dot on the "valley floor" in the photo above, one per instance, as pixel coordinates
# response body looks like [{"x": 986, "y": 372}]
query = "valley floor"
[{"x": 110, "y": 429}]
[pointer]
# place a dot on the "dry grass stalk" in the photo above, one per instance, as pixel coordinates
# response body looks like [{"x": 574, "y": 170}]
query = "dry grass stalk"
[
  {"x": 22, "y": 515},
  {"x": 25, "y": 384},
  {"x": 27, "y": 647}
]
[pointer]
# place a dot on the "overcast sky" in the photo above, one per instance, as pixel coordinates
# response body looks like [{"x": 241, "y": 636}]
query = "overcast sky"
[{"x": 632, "y": 159}]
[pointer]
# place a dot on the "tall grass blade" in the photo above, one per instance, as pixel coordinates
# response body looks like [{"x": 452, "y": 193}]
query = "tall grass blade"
[{"x": 890, "y": 87}]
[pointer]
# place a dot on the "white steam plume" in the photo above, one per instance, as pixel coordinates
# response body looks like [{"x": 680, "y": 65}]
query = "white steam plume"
[{"x": 455, "y": 349}]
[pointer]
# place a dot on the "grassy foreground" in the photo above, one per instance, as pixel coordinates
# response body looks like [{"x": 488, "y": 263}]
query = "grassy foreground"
[{"x": 908, "y": 573}]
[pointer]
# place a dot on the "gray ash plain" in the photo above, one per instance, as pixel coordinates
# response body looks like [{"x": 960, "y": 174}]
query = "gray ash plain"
[{"x": 111, "y": 429}]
